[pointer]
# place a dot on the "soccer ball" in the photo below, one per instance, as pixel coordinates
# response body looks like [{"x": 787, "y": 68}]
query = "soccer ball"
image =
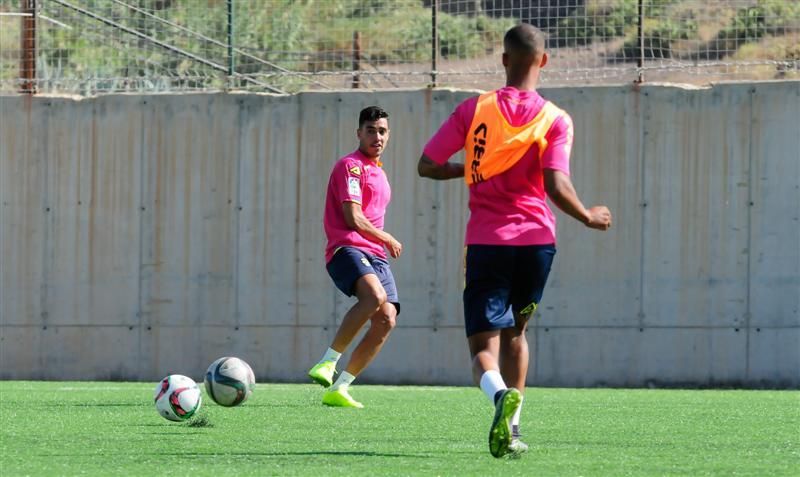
[
  {"x": 177, "y": 397},
  {"x": 229, "y": 381}
]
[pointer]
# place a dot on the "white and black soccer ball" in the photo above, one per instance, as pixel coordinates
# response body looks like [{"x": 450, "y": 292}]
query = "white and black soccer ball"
[
  {"x": 177, "y": 397},
  {"x": 229, "y": 381}
]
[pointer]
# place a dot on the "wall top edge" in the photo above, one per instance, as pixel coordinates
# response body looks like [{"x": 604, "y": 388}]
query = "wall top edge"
[{"x": 445, "y": 90}]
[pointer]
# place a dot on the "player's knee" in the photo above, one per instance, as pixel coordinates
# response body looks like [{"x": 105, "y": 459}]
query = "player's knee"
[
  {"x": 385, "y": 320},
  {"x": 379, "y": 297},
  {"x": 389, "y": 320}
]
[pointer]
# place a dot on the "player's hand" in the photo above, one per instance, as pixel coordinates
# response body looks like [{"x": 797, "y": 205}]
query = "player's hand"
[
  {"x": 395, "y": 247},
  {"x": 599, "y": 218}
]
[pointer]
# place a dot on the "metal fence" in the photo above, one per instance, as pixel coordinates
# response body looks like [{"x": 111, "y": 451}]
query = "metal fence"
[{"x": 98, "y": 46}]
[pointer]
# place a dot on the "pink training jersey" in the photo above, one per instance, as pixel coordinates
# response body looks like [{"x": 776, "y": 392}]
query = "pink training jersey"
[
  {"x": 509, "y": 208},
  {"x": 355, "y": 178}
]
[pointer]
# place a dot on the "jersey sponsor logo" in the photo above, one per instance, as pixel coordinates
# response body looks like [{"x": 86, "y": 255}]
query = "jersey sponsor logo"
[
  {"x": 355, "y": 170},
  {"x": 479, "y": 138},
  {"x": 353, "y": 187}
]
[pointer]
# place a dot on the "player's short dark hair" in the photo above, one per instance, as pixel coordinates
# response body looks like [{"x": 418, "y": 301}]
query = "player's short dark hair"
[
  {"x": 371, "y": 113},
  {"x": 524, "y": 39}
]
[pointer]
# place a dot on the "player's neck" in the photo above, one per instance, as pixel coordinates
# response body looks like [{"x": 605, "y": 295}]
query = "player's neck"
[
  {"x": 375, "y": 159},
  {"x": 523, "y": 84},
  {"x": 523, "y": 80}
]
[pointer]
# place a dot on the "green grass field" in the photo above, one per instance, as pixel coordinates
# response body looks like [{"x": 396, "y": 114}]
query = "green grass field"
[{"x": 98, "y": 428}]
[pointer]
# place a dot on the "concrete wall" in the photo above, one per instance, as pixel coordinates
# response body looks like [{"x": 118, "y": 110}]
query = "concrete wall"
[{"x": 147, "y": 235}]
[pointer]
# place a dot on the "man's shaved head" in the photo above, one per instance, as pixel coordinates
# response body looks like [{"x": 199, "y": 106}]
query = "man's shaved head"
[{"x": 524, "y": 42}]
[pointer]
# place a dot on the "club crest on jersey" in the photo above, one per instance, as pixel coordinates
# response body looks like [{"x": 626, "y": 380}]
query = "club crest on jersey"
[{"x": 355, "y": 170}]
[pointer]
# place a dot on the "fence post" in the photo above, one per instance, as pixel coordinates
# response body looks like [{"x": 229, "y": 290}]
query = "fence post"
[
  {"x": 356, "y": 59},
  {"x": 434, "y": 41},
  {"x": 27, "y": 62},
  {"x": 640, "y": 37},
  {"x": 230, "y": 40}
]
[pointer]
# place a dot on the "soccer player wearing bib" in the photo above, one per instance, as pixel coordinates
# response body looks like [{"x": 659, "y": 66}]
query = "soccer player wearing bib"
[
  {"x": 357, "y": 197},
  {"x": 517, "y": 147}
]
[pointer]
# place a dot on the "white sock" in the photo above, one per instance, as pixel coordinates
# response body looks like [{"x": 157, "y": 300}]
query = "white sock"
[
  {"x": 331, "y": 355},
  {"x": 343, "y": 381},
  {"x": 491, "y": 383},
  {"x": 515, "y": 417}
]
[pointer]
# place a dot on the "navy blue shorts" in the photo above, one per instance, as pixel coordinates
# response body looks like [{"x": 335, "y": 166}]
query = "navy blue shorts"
[
  {"x": 502, "y": 280},
  {"x": 349, "y": 264}
]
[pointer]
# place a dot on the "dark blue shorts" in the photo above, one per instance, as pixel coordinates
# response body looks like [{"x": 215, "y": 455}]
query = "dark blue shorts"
[
  {"x": 349, "y": 264},
  {"x": 502, "y": 280}
]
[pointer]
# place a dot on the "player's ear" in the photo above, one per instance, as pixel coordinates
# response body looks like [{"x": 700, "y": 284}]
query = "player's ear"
[
  {"x": 544, "y": 60},
  {"x": 505, "y": 59}
]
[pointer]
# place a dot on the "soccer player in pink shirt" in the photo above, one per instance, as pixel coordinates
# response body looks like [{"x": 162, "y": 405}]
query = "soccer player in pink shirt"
[
  {"x": 517, "y": 147},
  {"x": 357, "y": 197}
]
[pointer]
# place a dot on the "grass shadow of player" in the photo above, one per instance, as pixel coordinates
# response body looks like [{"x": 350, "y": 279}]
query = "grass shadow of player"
[{"x": 290, "y": 453}]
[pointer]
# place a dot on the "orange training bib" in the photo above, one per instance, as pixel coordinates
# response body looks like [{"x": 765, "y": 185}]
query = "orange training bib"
[{"x": 493, "y": 145}]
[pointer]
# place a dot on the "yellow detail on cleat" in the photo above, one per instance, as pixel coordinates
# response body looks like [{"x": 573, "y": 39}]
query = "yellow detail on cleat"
[
  {"x": 322, "y": 373},
  {"x": 340, "y": 398}
]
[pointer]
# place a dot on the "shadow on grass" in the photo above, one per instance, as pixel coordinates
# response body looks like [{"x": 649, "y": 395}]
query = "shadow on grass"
[
  {"x": 194, "y": 455},
  {"x": 177, "y": 432},
  {"x": 275, "y": 405},
  {"x": 282, "y": 454},
  {"x": 178, "y": 427},
  {"x": 143, "y": 404},
  {"x": 86, "y": 405}
]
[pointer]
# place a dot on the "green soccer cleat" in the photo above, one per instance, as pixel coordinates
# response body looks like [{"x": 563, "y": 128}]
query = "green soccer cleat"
[
  {"x": 500, "y": 432},
  {"x": 322, "y": 373},
  {"x": 340, "y": 398}
]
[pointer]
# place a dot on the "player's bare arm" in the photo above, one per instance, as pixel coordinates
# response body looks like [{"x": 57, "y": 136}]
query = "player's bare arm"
[
  {"x": 355, "y": 219},
  {"x": 450, "y": 170},
  {"x": 561, "y": 191}
]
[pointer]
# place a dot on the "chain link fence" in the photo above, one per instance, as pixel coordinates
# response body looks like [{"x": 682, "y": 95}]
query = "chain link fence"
[{"x": 98, "y": 46}]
